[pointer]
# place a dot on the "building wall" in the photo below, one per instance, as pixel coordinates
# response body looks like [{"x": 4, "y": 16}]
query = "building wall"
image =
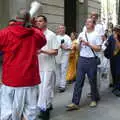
[
  {"x": 94, "y": 5},
  {"x": 52, "y": 9},
  {"x": 84, "y": 9},
  {"x": 82, "y": 13}
]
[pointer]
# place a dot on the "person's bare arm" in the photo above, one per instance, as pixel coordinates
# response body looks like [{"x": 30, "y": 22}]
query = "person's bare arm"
[
  {"x": 49, "y": 52},
  {"x": 96, "y": 48},
  {"x": 65, "y": 48}
]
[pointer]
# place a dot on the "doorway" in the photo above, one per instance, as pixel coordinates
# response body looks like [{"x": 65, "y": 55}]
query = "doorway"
[{"x": 70, "y": 15}]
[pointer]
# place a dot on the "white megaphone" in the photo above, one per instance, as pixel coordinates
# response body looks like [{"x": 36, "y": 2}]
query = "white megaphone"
[{"x": 35, "y": 6}]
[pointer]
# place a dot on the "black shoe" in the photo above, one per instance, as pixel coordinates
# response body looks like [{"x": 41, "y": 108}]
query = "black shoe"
[
  {"x": 111, "y": 85},
  {"x": 69, "y": 82},
  {"x": 116, "y": 92},
  {"x": 45, "y": 115},
  {"x": 61, "y": 90},
  {"x": 89, "y": 95},
  {"x": 50, "y": 108}
]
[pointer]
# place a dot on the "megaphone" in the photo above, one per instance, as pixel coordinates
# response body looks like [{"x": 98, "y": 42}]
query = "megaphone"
[{"x": 35, "y": 6}]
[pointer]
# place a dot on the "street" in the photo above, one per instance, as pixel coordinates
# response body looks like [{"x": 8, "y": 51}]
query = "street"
[{"x": 107, "y": 109}]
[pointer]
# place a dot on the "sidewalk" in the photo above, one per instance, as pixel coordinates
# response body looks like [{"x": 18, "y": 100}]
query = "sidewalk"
[{"x": 107, "y": 109}]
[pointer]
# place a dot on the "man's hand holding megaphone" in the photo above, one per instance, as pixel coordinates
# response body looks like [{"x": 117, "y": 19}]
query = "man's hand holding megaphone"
[{"x": 35, "y": 6}]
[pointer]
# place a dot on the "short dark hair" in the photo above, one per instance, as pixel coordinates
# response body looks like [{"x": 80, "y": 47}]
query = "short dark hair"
[
  {"x": 44, "y": 17},
  {"x": 12, "y": 20},
  {"x": 75, "y": 34}
]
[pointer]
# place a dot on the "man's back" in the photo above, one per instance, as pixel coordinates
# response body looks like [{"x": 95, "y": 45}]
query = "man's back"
[{"x": 20, "y": 63}]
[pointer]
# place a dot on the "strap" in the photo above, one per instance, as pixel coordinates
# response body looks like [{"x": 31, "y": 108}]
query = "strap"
[{"x": 90, "y": 47}]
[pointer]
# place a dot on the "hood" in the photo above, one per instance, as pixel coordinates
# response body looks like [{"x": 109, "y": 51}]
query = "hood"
[{"x": 18, "y": 30}]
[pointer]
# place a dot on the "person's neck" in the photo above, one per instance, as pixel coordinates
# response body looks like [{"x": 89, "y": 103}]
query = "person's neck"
[
  {"x": 44, "y": 29},
  {"x": 90, "y": 30},
  {"x": 62, "y": 34}
]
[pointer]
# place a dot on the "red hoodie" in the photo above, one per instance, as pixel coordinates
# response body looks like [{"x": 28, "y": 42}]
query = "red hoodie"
[{"x": 20, "y": 61}]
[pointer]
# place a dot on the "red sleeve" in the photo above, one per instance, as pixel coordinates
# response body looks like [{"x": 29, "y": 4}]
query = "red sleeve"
[
  {"x": 3, "y": 39},
  {"x": 40, "y": 38}
]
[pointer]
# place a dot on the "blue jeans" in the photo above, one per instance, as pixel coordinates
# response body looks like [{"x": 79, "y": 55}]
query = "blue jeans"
[{"x": 86, "y": 66}]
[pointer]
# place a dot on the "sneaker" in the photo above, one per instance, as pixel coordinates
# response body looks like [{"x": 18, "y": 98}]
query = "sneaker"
[
  {"x": 93, "y": 104},
  {"x": 72, "y": 107}
]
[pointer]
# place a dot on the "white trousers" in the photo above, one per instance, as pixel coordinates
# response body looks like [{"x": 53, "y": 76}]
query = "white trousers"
[
  {"x": 61, "y": 71},
  {"x": 18, "y": 102},
  {"x": 46, "y": 89}
]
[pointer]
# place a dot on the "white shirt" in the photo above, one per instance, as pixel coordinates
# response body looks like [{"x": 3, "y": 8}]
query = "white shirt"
[
  {"x": 61, "y": 52},
  {"x": 67, "y": 43},
  {"x": 93, "y": 38},
  {"x": 98, "y": 28},
  {"x": 47, "y": 62}
]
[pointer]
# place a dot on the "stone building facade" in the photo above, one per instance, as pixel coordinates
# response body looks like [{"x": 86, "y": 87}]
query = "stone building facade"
[
  {"x": 72, "y": 13},
  {"x": 84, "y": 9}
]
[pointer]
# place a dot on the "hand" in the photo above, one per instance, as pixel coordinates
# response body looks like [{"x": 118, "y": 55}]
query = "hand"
[
  {"x": 86, "y": 43},
  {"x": 80, "y": 40},
  {"x": 39, "y": 51},
  {"x": 33, "y": 21},
  {"x": 63, "y": 46}
]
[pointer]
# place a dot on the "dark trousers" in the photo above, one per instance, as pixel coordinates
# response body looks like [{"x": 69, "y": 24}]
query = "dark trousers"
[
  {"x": 113, "y": 70},
  {"x": 117, "y": 84},
  {"x": 86, "y": 66}
]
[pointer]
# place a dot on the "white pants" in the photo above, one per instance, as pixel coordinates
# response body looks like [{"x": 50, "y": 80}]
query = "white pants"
[
  {"x": 61, "y": 71},
  {"x": 46, "y": 89},
  {"x": 18, "y": 102}
]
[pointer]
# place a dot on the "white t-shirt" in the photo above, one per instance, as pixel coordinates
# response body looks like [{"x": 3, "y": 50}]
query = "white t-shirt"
[
  {"x": 61, "y": 52},
  {"x": 47, "y": 62},
  {"x": 93, "y": 38},
  {"x": 98, "y": 28}
]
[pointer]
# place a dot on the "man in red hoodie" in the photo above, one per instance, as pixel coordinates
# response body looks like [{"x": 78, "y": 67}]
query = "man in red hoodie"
[{"x": 20, "y": 43}]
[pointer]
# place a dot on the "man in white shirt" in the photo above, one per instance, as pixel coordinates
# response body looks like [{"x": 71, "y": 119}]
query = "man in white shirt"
[
  {"x": 62, "y": 58},
  {"x": 47, "y": 68},
  {"x": 99, "y": 28},
  {"x": 87, "y": 64}
]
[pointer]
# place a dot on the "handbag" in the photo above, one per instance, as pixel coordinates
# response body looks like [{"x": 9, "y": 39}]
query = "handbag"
[{"x": 98, "y": 61}]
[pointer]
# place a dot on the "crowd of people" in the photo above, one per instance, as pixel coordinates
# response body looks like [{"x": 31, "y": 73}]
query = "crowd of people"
[{"x": 37, "y": 60}]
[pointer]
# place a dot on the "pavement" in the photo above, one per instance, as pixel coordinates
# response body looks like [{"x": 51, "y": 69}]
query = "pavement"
[{"x": 107, "y": 109}]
